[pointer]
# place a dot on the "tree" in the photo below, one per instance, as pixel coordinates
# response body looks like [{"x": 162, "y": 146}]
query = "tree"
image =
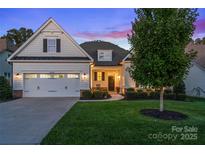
[
  {"x": 158, "y": 41},
  {"x": 198, "y": 41},
  {"x": 5, "y": 89},
  {"x": 18, "y": 37}
]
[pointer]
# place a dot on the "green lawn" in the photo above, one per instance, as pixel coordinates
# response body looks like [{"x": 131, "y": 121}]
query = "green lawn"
[{"x": 119, "y": 122}]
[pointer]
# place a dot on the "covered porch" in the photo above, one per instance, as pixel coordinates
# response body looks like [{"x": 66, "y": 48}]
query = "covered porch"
[{"x": 107, "y": 78}]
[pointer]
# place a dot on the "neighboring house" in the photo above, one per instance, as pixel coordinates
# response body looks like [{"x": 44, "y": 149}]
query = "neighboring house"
[
  {"x": 52, "y": 64},
  {"x": 6, "y": 50},
  {"x": 195, "y": 80}
]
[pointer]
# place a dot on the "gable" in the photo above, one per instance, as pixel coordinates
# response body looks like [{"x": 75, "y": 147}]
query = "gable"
[{"x": 50, "y": 30}]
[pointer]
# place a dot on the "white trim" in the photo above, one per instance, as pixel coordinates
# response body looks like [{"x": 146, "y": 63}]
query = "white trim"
[
  {"x": 52, "y": 61},
  {"x": 127, "y": 55},
  {"x": 39, "y": 31}
]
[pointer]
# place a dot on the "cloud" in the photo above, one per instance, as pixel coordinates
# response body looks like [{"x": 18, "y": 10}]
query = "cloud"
[{"x": 112, "y": 34}]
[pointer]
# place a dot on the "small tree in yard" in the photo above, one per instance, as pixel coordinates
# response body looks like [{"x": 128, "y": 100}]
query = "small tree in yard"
[
  {"x": 5, "y": 89},
  {"x": 158, "y": 41}
]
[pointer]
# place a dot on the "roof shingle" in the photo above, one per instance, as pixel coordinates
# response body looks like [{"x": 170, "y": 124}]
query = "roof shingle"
[{"x": 118, "y": 53}]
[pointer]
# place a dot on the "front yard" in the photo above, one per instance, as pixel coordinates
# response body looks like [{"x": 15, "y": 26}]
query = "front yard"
[{"x": 120, "y": 122}]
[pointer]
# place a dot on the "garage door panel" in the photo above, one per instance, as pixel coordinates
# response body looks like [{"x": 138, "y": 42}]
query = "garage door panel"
[{"x": 46, "y": 87}]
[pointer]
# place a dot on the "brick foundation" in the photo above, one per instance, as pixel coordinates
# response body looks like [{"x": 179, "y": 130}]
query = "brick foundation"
[{"x": 17, "y": 93}]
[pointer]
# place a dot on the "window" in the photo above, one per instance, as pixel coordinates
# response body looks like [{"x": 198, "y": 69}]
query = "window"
[
  {"x": 72, "y": 76},
  {"x": 99, "y": 76},
  {"x": 51, "y": 45},
  {"x": 104, "y": 55},
  {"x": 9, "y": 75},
  {"x": 30, "y": 76},
  {"x": 5, "y": 74},
  {"x": 51, "y": 76}
]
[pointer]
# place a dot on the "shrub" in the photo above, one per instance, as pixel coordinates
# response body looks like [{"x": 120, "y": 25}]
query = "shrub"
[
  {"x": 154, "y": 95},
  {"x": 98, "y": 94},
  {"x": 5, "y": 89},
  {"x": 180, "y": 88},
  {"x": 169, "y": 96},
  {"x": 87, "y": 94},
  {"x": 139, "y": 90},
  {"x": 130, "y": 89},
  {"x": 167, "y": 91},
  {"x": 181, "y": 97},
  {"x": 99, "y": 89},
  {"x": 130, "y": 95}
]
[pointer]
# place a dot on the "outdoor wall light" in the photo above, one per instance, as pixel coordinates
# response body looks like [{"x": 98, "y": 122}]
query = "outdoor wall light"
[
  {"x": 84, "y": 76},
  {"x": 118, "y": 77}
]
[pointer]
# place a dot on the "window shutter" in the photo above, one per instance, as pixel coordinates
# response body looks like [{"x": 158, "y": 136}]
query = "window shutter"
[
  {"x": 103, "y": 76},
  {"x": 44, "y": 45},
  {"x": 95, "y": 76},
  {"x": 58, "y": 45}
]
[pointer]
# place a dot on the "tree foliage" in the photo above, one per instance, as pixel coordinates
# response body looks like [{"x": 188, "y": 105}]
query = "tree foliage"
[
  {"x": 18, "y": 36},
  {"x": 5, "y": 89},
  {"x": 158, "y": 41}
]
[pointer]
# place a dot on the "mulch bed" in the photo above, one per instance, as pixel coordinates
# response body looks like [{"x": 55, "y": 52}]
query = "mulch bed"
[{"x": 165, "y": 115}]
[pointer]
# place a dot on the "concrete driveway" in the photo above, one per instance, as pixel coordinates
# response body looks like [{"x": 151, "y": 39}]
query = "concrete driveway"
[{"x": 28, "y": 120}]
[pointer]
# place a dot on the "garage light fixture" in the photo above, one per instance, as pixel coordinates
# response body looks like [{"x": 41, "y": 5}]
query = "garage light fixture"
[{"x": 84, "y": 76}]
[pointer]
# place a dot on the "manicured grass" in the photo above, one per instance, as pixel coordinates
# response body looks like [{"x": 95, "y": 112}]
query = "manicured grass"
[{"x": 120, "y": 122}]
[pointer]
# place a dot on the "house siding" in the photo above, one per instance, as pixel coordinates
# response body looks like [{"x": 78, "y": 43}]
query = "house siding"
[
  {"x": 35, "y": 48},
  {"x": 21, "y": 68},
  {"x": 129, "y": 82},
  {"x": 5, "y": 67},
  {"x": 195, "y": 81}
]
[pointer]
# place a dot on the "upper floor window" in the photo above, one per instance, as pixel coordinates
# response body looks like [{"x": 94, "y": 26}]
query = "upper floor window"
[
  {"x": 104, "y": 55},
  {"x": 51, "y": 45}
]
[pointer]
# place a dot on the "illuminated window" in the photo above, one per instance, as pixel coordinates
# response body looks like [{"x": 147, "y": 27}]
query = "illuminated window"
[
  {"x": 51, "y": 76},
  {"x": 72, "y": 76},
  {"x": 99, "y": 76},
  {"x": 30, "y": 76}
]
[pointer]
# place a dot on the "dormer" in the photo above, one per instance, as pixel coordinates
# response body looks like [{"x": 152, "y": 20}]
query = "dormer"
[{"x": 104, "y": 55}]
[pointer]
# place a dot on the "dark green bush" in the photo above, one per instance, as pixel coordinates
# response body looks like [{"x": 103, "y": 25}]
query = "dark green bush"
[
  {"x": 130, "y": 89},
  {"x": 5, "y": 89},
  {"x": 87, "y": 94},
  {"x": 130, "y": 95},
  {"x": 98, "y": 95},
  {"x": 154, "y": 95},
  {"x": 180, "y": 88},
  {"x": 169, "y": 96},
  {"x": 181, "y": 97}
]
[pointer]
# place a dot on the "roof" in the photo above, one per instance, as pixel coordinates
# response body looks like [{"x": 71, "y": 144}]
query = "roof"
[
  {"x": 38, "y": 31},
  {"x": 200, "y": 49},
  {"x": 118, "y": 53},
  {"x": 51, "y": 58}
]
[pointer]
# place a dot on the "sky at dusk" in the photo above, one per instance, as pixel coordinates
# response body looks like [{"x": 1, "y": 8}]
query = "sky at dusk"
[{"x": 83, "y": 24}]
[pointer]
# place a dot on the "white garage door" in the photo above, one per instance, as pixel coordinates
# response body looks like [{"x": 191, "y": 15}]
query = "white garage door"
[{"x": 51, "y": 85}]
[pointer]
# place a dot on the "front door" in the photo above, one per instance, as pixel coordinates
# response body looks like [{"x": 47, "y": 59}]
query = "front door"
[{"x": 111, "y": 83}]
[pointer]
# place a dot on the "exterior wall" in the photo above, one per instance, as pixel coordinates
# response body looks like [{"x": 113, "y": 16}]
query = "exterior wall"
[
  {"x": 129, "y": 82},
  {"x": 5, "y": 67},
  {"x": 35, "y": 48},
  {"x": 195, "y": 81},
  {"x": 21, "y": 68}
]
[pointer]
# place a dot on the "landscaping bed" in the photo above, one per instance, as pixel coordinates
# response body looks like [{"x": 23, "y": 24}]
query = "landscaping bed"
[{"x": 165, "y": 115}]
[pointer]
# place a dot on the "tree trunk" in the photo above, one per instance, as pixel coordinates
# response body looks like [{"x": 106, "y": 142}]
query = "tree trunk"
[{"x": 161, "y": 99}]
